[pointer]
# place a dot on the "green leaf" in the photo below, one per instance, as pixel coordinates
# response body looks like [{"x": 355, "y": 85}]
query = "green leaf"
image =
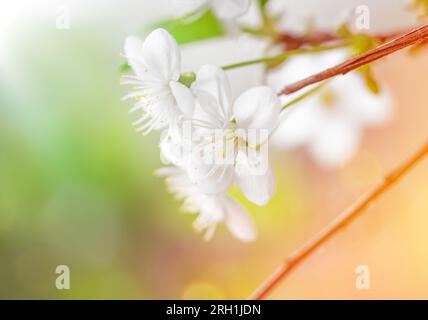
[
  {"x": 194, "y": 28},
  {"x": 263, "y": 3}
]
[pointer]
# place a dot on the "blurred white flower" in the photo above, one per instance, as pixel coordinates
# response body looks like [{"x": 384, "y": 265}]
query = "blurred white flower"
[
  {"x": 212, "y": 209},
  {"x": 299, "y": 15},
  {"x": 225, "y": 9},
  {"x": 240, "y": 155},
  {"x": 161, "y": 98},
  {"x": 329, "y": 123}
]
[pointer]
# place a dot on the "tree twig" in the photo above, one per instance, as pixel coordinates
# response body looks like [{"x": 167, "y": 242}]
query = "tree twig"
[
  {"x": 292, "y": 41},
  {"x": 417, "y": 36},
  {"x": 284, "y": 55},
  {"x": 338, "y": 224}
]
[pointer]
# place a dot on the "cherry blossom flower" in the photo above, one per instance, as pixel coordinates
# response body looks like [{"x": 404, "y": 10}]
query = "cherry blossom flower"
[
  {"x": 212, "y": 209},
  {"x": 161, "y": 98},
  {"x": 243, "y": 158},
  {"x": 330, "y": 123},
  {"x": 225, "y": 9}
]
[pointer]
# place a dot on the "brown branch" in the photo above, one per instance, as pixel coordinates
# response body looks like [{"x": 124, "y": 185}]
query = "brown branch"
[
  {"x": 292, "y": 41},
  {"x": 417, "y": 36},
  {"x": 348, "y": 216}
]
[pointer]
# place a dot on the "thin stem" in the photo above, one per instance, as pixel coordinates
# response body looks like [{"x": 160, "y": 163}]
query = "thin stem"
[
  {"x": 292, "y": 41},
  {"x": 337, "y": 225},
  {"x": 303, "y": 96},
  {"x": 417, "y": 36},
  {"x": 283, "y": 56}
]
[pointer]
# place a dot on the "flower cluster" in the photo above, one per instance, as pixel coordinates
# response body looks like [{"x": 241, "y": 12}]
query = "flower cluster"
[{"x": 211, "y": 141}]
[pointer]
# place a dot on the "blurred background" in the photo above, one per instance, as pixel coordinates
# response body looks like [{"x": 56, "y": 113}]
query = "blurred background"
[{"x": 77, "y": 185}]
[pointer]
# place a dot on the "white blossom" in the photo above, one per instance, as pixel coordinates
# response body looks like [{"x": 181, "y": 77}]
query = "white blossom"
[
  {"x": 161, "y": 98},
  {"x": 225, "y": 9},
  {"x": 242, "y": 158},
  {"x": 331, "y": 122},
  {"x": 212, "y": 209}
]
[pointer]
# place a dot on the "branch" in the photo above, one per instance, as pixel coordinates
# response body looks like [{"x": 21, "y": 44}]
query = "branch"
[
  {"x": 348, "y": 216},
  {"x": 284, "y": 55},
  {"x": 292, "y": 41},
  {"x": 417, "y": 36}
]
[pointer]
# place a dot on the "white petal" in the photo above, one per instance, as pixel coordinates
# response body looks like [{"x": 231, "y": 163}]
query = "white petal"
[
  {"x": 257, "y": 108},
  {"x": 162, "y": 55},
  {"x": 171, "y": 151},
  {"x": 336, "y": 143},
  {"x": 213, "y": 80},
  {"x": 183, "y": 97},
  {"x": 229, "y": 9},
  {"x": 211, "y": 160},
  {"x": 252, "y": 18},
  {"x": 299, "y": 125},
  {"x": 209, "y": 110},
  {"x": 134, "y": 54},
  {"x": 185, "y": 7},
  {"x": 212, "y": 178},
  {"x": 165, "y": 172},
  {"x": 254, "y": 177},
  {"x": 239, "y": 222},
  {"x": 360, "y": 103}
]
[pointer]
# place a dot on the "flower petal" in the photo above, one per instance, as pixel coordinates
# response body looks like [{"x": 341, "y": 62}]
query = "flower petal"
[
  {"x": 257, "y": 108},
  {"x": 360, "y": 103},
  {"x": 161, "y": 55},
  {"x": 336, "y": 142},
  {"x": 239, "y": 222},
  {"x": 183, "y": 97},
  {"x": 208, "y": 110},
  {"x": 255, "y": 178},
  {"x": 134, "y": 54},
  {"x": 212, "y": 178},
  {"x": 299, "y": 125},
  {"x": 230, "y": 9},
  {"x": 213, "y": 80}
]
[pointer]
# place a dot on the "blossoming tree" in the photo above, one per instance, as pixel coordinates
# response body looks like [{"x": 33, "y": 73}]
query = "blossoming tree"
[{"x": 318, "y": 92}]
